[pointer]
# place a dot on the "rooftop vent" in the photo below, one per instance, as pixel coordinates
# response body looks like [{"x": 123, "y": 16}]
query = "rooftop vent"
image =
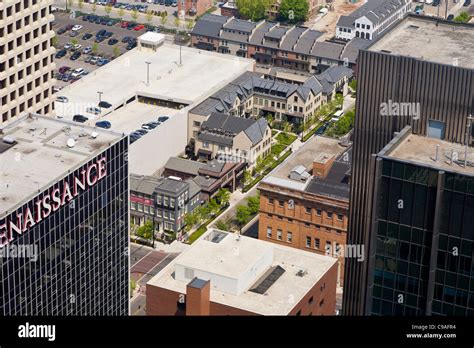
[
  {"x": 301, "y": 273},
  {"x": 70, "y": 143}
]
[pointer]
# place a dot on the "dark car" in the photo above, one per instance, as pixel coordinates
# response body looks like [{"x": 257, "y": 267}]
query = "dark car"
[
  {"x": 436, "y": 3},
  {"x": 64, "y": 69},
  {"x": 450, "y": 17},
  {"x": 110, "y": 23},
  {"x": 61, "y": 53},
  {"x": 92, "y": 18},
  {"x": 98, "y": 20},
  {"x": 112, "y": 42},
  {"x": 75, "y": 56},
  {"x": 69, "y": 26},
  {"x": 80, "y": 118},
  {"x": 102, "y": 61},
  {"x": 322, "y": 129},
  {"x": 467, "y": 3},
  {"x": 162, "y": 119},
  {"x": 108, "y": 34},
  {"x": 103, "y": 124},
  {"x": 86, "y": 36},
  {"x": 62, "y": 30},
  {"x": 101, "y": 32},
  {"x": 99, "y": 39},
  {"x": 126, "y": 39},
  {"x": 131, "y": 45},
  {"x": 85, "y": 17},
  {"x": 130, "y": 26},
  {"x": 104, "y": 104}
]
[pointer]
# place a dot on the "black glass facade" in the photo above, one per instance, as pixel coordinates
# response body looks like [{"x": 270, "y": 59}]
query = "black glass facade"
[
  {"x": 83, "y": 266},
  {"x": 407, "y": 203}
]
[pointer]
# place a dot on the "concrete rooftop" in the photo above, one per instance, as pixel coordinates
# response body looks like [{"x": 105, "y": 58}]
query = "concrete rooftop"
[
  {"x": 42, "y": 156},
  {"x": 221, "y": 258},
  {"x": 422, "y": 150},
  {"x": 446, "y": 43},
  {"x": 201, "y": 74}
]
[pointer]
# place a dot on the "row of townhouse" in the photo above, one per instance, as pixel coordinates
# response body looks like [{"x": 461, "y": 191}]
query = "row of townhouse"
[{"x": 270, "y": 43}]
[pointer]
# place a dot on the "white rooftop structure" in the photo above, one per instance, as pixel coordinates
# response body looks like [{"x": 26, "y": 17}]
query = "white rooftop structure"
[
  {"x": 151, "y": 39},
  {"x": 235, "y": 265},
  {"x": 41, "y": 155}
]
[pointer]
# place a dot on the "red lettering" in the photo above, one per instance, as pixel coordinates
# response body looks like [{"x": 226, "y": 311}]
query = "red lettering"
[{"x": 91, "y": 179}]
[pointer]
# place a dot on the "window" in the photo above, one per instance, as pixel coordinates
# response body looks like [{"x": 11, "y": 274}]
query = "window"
[
  {"x": 338, "y": 249},
  {"x": 196, "y": 124},
  {"x": 165, "y": 201},
  {"x": 308, "y": 242},
  {"x": 318, "y": 212},
  {"x": 308, "y": 210},
  {"x": 221, "y": 147},
  {"x": 269, "y": 232},
  {"x": 310, "y": 300},
  {"x": 289, "y": 237},
  {"x": 279, "y": 234},
  {"x": 321, "y": 303},
  {"x": 188, "y": 273},
  {"x": 339, "y": 217},
  {"x": 328, "y": 248},
  {"x": 295, "y": 99},
  {"x": 205, "y": 144},
  {"x": 281, "y": 203},
  {"x": 316, "y": 243},
  {"x": 270, "y": 201},
  {"x": 299, "y": 312},
  {"x": 329, "y": 215}
]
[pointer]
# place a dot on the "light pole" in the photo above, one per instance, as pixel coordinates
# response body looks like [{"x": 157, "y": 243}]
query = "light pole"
[
  {"x": 148, "y": 73},
  {"x": 180, "y": 49},
  {"x": 100, "y": 100}
]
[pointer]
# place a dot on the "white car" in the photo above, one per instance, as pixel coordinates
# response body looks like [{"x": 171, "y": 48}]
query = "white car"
[
  {"x": 76, "y": 27},
  {"x": 62, "y": 99},
  {"x": 77, "y": 72},
  {"x": 67, "y": 46},
  {"x": 93, "y": 110},
  {"x": 87, "y": 50},
  {"x": 77, "y": 47}
]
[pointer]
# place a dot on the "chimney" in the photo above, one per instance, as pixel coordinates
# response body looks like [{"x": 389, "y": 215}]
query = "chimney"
[
  {"x": 322, "y": 165},
  {"x": 198, "y": 294}
]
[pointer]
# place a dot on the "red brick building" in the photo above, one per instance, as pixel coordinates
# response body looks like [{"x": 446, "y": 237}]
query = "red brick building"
[
  {"x": 194, "y": 7},
  {"x": 226, "y": 274}
]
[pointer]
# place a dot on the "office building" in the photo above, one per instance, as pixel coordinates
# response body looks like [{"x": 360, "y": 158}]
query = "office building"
[
  {"x": 64, "y": 193},
  {"x": 226, "y": 274},
  {"x": 405, "y": 78},
  {"x": 26, "y": 58},
  {"x": 304, "y": 204}
]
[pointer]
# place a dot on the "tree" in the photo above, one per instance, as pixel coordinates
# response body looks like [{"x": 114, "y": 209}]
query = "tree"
[
  {"x": 223, "y": 196},
  {"x": 222, "y": 225},
  {"x": 149, "y": 16},
  {"x": 463, "y": 17},
  {"x": 177, "y": 22},
  {"x": 121, "y": 12},
  {"x": 81, "y": 4},
  {"x": 202, "y": 212},
  {"x": 190, "y": 25},
  {"x": 247, "y": 177},
  {"x": 213, "y": 207},
  {"x": 259, "y": 165},
  {"x": 253, "y": 204},
  {"x": 135, "y": 14},
  {"x": 253, "y": 9},
  {"x": 54, "y": 40},
  {"x": 116, "y": 51},
  {"x": 95, "y": 48},
  {"x": 94, "y": 7},
  {"x": 270, "y": 119},
  {"x": 294, "y": 11},
  {"x": 242, "y": 215},
  {"x": 74, "y": 42},
  {"x": 353, "y": 85},
  {"x": 145, "y": 231},
  {"x": 164, "y": 17},
  {"x": 287, "y": 127},
  {"x": 108, "y": 9}
]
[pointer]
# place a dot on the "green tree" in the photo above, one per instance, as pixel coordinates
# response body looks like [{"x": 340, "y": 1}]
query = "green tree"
[
  {"x": 116, "y": 51},
  {"x": 95, "y": 48},
  {"x": 190, "y": 25},
  {"x": 164, "y": 17},
  {"x": 213, "y": 207},
  {"x": 253, "y": 203},
  {"x": 54, "y": 41},
  {"x": 108, "y": 9},
  {"x": 135, "y": 14},
  {"x": 463, "y": 17},
  {"x": 253, "y": 9},
  {"x": 149, "y": 16},
  {"x": 145, "y": 231},
  {"x": 260, "y": 164},
  {"x": 223, "y": 196},
  {"x": 247, "y": 177},
  {"x": 74, "y": 42},
  {"x": 177, "y": 22},
  {"x": 294, "y": 11},
  {"x": 270, "y": 119},
  {"x": 203, "y": 212},
  {"x": 121, "y": 12},
  {"x": 242, "y": 215},
  {"x": 190, "y": 219},
  {"x": 287, "y": 128},
  {"x": 353, "y": 85},
  {"x": 222, "y": 225}
]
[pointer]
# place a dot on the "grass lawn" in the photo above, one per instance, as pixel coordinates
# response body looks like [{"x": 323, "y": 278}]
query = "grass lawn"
[
  {"x": 285, "y": 138},
  {"x": 277, "y": 149},
  {"x": 196, "y": 234}
]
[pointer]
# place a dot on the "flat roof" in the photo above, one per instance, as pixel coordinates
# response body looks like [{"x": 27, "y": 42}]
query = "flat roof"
[
  {"x": 429, "y": 39},
  {"x": 222, "y": 258},
  {"x": 421, "y": 150},
  {"x": 41, "y": 156},
  {"x": 201, "y": 74}
]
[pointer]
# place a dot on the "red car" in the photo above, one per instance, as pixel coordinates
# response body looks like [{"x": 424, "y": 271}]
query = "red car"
[
  {"x": 63, "y": 69},
  {"x": 124, "y": 25},
  {"x": 139, "y": 27}
]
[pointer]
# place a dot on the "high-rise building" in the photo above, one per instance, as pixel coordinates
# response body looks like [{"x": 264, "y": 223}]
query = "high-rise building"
[
  {"x": 64, "y": 219},
  {"x": 26, "y": 58},
  {"x": 407, "y": 77}
]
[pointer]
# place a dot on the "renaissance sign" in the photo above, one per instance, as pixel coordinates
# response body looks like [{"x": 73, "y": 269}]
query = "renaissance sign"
[{"x": 60, "y": 195}]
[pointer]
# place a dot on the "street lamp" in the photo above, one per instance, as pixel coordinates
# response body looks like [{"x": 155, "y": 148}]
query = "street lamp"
[
  {"x": 180, "y": 47},
  {"x": 148, "y": 73},
  {"x": 100, "y": 100}
]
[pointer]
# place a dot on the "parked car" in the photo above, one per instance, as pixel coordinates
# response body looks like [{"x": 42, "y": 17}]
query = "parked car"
[
  {"x": 162, "y": 119},
  {"x": 63, "y": 69},
  {"x": 73, "y": 33},
  {"x": 77, "y": 47},
  {"x": 69, "y": 26},
  {"x": 94, "y": 60},
  {"x": 92, "y": 18},
  {"x": 93, "y": 110},
  {"x": 101, "y": 32},
  {"x": 80, "y": 118},
  {"x": 98, "y": 20},
  {"x": 87, "y": 50},
  {"x": 88, "y": 59},
  {"x": 61, "y": 53},
  {"x": 112, "y": 42},
  {"x": 139, "y": 27},
  {"x": 62, "y": 99},
  {"x": 77, "y": 72},
  {"x": 124, "y": 24},
  {"x": 67, "y": 77},
  {"x": 99, "y": 39},
  {"x": 104, "y": 104},
  {"x": 108, "y": 34},
  {"x": 131, "y": 25},
  {"x": 103, "y": 124},
  {"x": 126, "y": 39},
  {"x": 86, "y": 36},
  {"x": 450, "y": 17},
  {"x": 102, "y": 61},
  {"x": 61, "y": 31},
  {"x": 467, "y": 3},
  {"x": 110, "y": 23},
  {"x": 76, "y": 27},
  {"x": 75, "y": 56},
  {"x": 67, "y": 46},
  {"x": 131, "y": 45}
]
